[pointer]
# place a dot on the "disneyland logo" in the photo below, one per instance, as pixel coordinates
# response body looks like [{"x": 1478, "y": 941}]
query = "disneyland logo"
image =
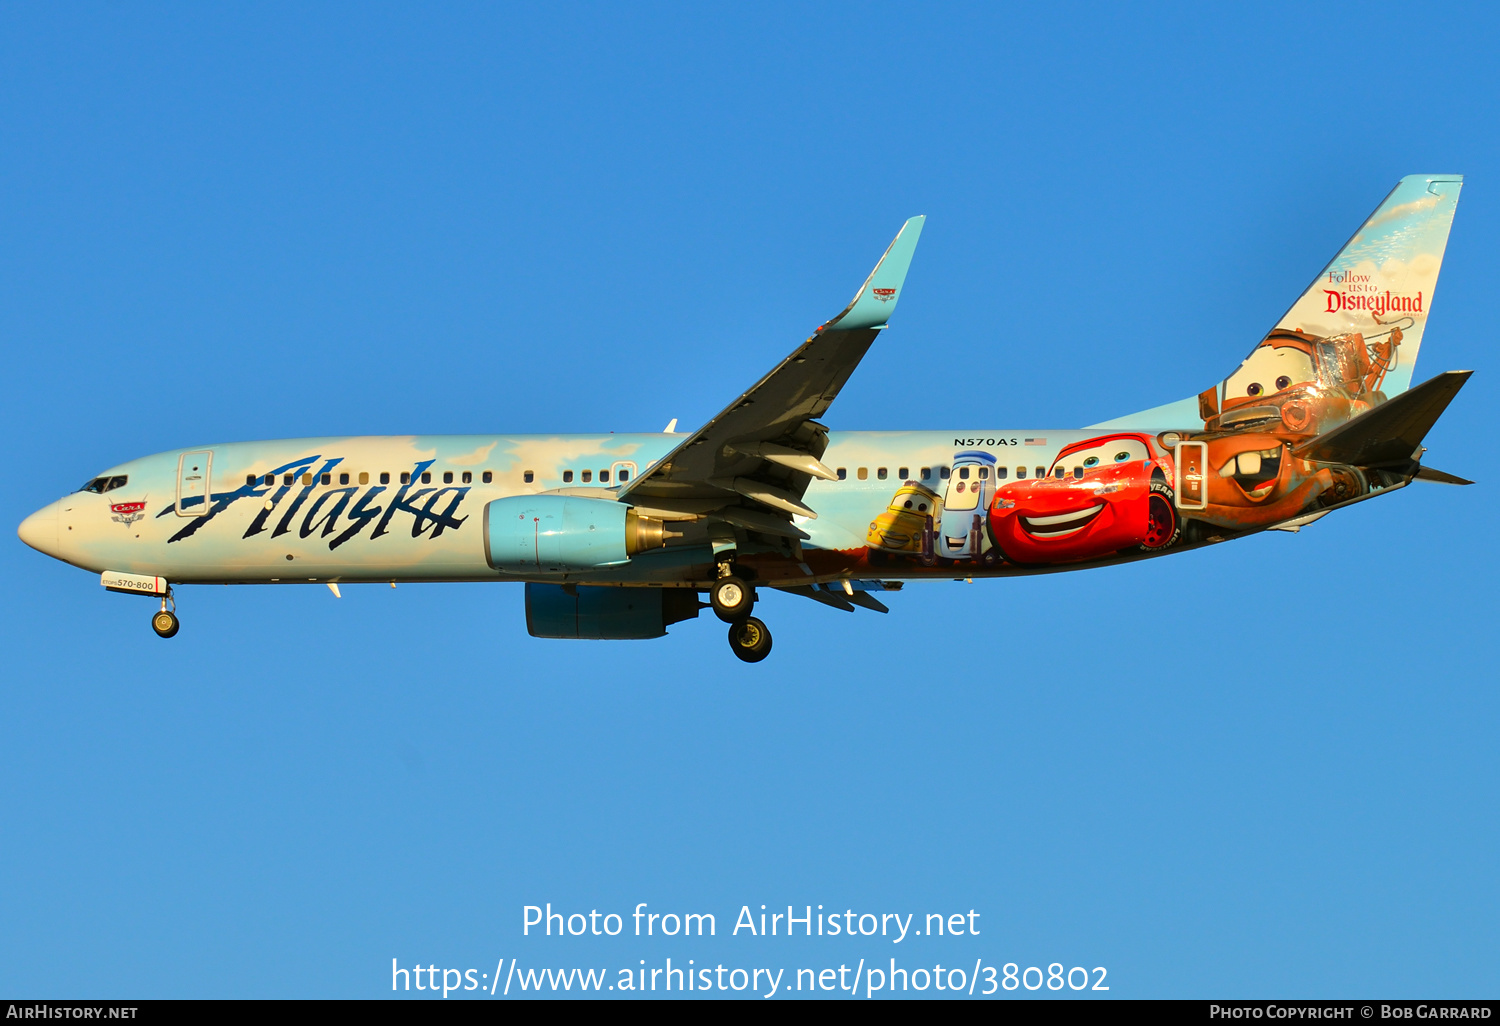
[{"x": 1378, "y": 303}]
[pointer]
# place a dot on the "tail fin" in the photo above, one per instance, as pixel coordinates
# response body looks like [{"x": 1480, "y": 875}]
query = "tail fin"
[{"x": 1352, "y": 339}]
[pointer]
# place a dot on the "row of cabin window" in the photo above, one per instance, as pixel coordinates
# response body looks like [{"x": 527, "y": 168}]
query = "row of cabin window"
[
  {"x": 902, "y": 473},
  {"x": 587, "y": 476},
  {"x": 466, "y": 477}
]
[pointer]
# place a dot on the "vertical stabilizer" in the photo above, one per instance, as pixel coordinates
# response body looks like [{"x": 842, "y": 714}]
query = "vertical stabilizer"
[
  {"x": 1384, "y": 277},
  {"x": 1350, "y": 342}
]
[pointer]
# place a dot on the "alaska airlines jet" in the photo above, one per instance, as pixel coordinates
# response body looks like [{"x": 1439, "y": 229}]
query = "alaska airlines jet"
[{"x": 618, "y": 535}]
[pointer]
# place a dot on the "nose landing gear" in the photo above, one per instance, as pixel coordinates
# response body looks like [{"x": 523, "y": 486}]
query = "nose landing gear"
[{"x": 164, "y": 622}]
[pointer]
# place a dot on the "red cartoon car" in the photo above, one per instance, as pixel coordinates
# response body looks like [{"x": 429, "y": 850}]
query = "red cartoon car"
[{"x": 1101, "y": 496}]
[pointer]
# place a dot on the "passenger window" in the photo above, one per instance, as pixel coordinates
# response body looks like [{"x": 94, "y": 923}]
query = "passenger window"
[
  {"x": 1001, "y": 473},
  {"x": 904, "y": 473},
  {"x": 528, "y": 477},
  {"x": 880, "y": 473},
  {"x": 427, "y": 477},
  {"x": 364, "y": 477},
  {"x": 306, "y": 478},
  {"x": 467, "y": 478},
  {"x": 406, "y": 477},
  {"x": 604, "y": 477},
  {"x": 270, "y": 480},
  {"x": 489, "y": 475},
  {"x": 864, "y": 473},
  {"x": 343, "y": 479},
  {"x": 567, "y": 477},
  {"x": 1020, "y": 472},
  {"x": 843, "y": 473},
  {"x": 944, "y": 472},
  {"x": 250, "y": 480},
  {"x": 588, "y": 475},
  {"x": 926, "y": 473},
  {"x": 447, "y": 477},
  {"x": 1041, "y": 471},
  {"x": 963, "y": 473},
  {"x": 984, "y": 473},
  {"x": 287, "y": 479},
  {"x": 326, "y": 479},
  {"x": 624, "y": 476},
  {"x": 385, "y": 477}
]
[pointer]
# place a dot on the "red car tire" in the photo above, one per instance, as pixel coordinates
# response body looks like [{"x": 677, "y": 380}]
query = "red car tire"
[{"x": 1163, "y": 526}]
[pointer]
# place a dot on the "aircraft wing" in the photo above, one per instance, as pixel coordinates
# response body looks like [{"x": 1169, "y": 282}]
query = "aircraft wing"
[{"x": 751, "y": 464}]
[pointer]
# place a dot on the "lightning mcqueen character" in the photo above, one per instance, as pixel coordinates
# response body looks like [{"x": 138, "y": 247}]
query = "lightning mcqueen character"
[{"x": 1101, "y": 496}]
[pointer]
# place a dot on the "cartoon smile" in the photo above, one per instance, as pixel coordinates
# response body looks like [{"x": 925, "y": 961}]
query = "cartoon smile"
[
  {"x": 1255, "y": 472},
  {"x": 1061, "y": 525}
]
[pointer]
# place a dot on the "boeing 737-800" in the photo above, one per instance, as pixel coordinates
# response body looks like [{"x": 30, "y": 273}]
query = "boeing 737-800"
[{"x": 618, "y": 535}]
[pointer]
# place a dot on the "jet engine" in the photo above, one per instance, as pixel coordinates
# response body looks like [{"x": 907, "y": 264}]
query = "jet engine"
[
  {"x": 571, "y": 611},
  {"x": 553, "y": 534}
]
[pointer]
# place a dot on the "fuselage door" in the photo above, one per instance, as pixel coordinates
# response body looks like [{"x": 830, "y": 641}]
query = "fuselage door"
[
  {"x": 1191, "y": 486},
  {"x": 192, "y": 483},
  {"x": 623, "y": 471}
]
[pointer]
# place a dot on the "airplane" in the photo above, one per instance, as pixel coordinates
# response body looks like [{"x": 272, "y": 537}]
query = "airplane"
[{"x": 618, "y": 536}]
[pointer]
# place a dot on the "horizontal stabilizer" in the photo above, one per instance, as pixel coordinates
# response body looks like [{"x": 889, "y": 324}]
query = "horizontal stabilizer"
[
  {"x": 1439, "y": 477},
  {"x": 1389, "y": 434}
]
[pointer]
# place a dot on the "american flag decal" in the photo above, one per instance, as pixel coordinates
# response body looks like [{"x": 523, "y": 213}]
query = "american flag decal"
[{"x": 1036, "y": 441}]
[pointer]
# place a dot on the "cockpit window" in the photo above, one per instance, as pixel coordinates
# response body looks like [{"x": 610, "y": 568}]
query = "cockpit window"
[{"x": 100, "y": 485}]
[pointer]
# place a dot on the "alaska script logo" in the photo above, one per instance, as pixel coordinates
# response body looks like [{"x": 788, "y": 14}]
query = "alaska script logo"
[{"x": 323, "y": 516}]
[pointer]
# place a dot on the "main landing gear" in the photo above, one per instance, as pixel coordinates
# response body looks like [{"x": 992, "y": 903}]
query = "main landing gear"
[
  {"x": 750, "y": 639},
  {"x": 164, "y": 622},
  {"x": 732, "y": 599}
]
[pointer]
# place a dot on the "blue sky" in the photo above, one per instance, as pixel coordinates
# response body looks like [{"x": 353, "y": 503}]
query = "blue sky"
[{"x": 1267, "y": 769}]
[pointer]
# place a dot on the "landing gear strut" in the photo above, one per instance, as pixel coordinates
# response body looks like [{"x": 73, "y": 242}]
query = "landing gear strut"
[
  {"x": 750, "y": 639},
  {"x": 164, "y": 622}
]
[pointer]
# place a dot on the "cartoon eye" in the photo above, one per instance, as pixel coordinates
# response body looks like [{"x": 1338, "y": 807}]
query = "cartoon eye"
[
  {"x": 1255, "y": 388},
  {"x": 1283, "y": 382},
  {"x": 1092, "y": 461},
  {"x": 1122, "y": 457},
  {"x": 960, "y": 486},
  {"x": 908, "y": 504},
  {"x": 922, "y": 507}
]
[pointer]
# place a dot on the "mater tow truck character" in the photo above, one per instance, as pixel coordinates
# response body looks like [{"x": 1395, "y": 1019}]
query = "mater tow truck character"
[
  {"x": 1255, "y": 480},
  {"x": 907, "y": 525},
  {"x": 1101, "y": 496},
  {"x": 1302, "y": 383}
]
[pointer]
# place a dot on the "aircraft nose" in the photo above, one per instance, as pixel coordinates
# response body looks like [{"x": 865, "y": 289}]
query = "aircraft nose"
[{"x": 40, "y": 530}]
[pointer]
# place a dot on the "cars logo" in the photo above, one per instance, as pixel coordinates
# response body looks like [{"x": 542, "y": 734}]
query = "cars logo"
[
  {"x": 127, "y": 513},
  {"x": 884, "y": 295}
]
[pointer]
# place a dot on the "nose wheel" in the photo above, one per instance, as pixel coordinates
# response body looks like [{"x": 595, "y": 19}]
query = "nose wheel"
[
  {"x": 750, "y": 639},
  {"x": 164, "y": 622}
]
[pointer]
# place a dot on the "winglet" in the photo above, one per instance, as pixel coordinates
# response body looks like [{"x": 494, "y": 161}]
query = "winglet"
[{"x": 876, "y": 298}]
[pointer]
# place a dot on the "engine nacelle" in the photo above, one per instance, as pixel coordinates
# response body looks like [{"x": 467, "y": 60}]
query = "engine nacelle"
[
  {"x": 569, "y": 611},
  {"x": 553, "y": 534}
]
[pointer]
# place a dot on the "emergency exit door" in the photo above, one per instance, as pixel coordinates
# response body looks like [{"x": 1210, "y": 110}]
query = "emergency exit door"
[
  {"x": 192, "y": 483},
  {"x": 1191, "y": 484}
]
